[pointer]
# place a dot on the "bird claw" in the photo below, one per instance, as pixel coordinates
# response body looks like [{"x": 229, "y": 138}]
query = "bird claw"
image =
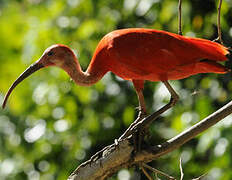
[
  {"x": 138, "y": 132},
  {"x": 142, "y": 112}
]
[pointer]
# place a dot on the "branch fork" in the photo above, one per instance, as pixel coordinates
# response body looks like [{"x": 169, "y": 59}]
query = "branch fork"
[{"x": 113, "y": 158}]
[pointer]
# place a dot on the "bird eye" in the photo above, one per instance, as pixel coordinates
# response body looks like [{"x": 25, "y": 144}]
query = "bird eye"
[{"x": 50, "y": 53}]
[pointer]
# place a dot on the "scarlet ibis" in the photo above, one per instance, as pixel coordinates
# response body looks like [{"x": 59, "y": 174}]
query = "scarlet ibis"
[{"x": 136, "y": 54}]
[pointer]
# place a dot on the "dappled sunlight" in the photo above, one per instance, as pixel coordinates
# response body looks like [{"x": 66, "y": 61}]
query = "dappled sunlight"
[
  {"x": 189, "y": 118},
  {"x": 226, "y": 123},
  {"x": 61, "y": 125},
  {"x": 53, "y": 95},
  {"x": 207, "y": 139},
  {"x": 214, "y": 174},
  {"x": 165, "y": 132},
  {"x": 33, "y": 134},
  {"x": 108, "y": 122},
  {"x": 186, "y": 155},
  {"x": 124, "y": 174},
  {"x": 220, "y": 147},
  {"x": 6, "y": 167},
  {"x": 44, "y": 166},
  {"x": 39, "y": 93},
  {"x": 230, "y": 32},
  {"x": 14, "y": 139},
  {"x": 85, "y": 142},
  {"x": 6, "y": 126},
  {"x": 144, "y": 6},
  {"x": 33, "y": 175},
  {"x": 73, "y": 3},
  {"x": 51, "y": 125},
  {"x": 112, "y": 89},
  {"x": 46, "y": 148},
  {"x": 129, "y": 4},
  {"x": 80, "y": 154},
  {"x": 58, "y": 113},
  {"x": 63, "y": 21}
]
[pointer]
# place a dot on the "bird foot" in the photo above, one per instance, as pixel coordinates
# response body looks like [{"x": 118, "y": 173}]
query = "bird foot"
[
  {"x": 142, "y": 113},
  {"x": 138, "y": 131},
  {"x": 138, "y": 138}
]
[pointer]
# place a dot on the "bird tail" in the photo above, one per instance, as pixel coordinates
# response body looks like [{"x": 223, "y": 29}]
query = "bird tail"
[{"x": 211, "y": 50}]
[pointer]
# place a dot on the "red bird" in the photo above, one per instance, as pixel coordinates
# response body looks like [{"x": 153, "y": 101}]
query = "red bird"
[{"x": 137, "y": 55}]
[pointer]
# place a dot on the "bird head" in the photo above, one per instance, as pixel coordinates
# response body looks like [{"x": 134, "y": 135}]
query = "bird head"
[{"x": 56, "y": 55}]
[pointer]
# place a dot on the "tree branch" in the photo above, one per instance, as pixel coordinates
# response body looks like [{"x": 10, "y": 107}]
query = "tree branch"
[
  {"x": 219, "y": 22},
  {"x": 179, "y": 17},
  {"x": 113, "y": 158}
]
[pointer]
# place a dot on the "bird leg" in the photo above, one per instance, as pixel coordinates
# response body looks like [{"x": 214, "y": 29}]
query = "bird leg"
[
  {"x": 174, "y": 95},
  {"x": 142, "y": 106},
  {"x": 139, "y": 85},
  {"x": 141, "y": 115},
  {"x": 141, "y": 125},
  {"x": 144, "y": 123},
  {"x": 144, "y": 128},
  {"x": 137, "y": 136},
  {"x": 173, "y": 100}
]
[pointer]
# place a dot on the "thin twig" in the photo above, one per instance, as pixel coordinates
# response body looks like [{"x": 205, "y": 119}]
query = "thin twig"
[
  {"x": 157, "y": 171},
  {"x": 200, "y": 177},
  {"x": 156, "y": 176},
  {"x": 179, "y": 17},
  {"x": 219, "y": 22},
  {"x": 146, "y": 173},
  {"x": 181, "y": 170}
]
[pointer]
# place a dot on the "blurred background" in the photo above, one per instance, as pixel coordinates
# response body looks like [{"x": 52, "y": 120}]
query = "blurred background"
[{"x": 51, "y": 125}]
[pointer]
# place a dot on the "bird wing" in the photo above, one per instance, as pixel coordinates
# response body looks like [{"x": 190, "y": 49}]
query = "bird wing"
[
  {"x": 141, "y": 54},
  {"x": 149, "y": 54}
]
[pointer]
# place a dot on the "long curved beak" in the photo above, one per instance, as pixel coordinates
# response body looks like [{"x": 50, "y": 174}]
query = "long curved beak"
[{"x": 31, "y": 69}]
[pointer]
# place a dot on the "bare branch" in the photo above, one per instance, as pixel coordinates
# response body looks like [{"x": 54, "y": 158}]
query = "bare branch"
[
  {"x": 114, "y": 158},
  {"x": 200, "y": 177},
  {"x": 158, "y": 171},
  {"x": 219, "y": 22},
  {"x": 179, "y": 17},
  {"x": 181, "y": 170},
  {"x": 146, "y": 173}
]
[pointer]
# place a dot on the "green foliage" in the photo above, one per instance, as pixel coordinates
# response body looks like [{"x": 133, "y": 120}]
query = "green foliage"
[{"x": 50, "y": 125}]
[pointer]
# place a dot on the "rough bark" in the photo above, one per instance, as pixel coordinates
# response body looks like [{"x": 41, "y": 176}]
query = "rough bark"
[{"x": 114, "y": 157}]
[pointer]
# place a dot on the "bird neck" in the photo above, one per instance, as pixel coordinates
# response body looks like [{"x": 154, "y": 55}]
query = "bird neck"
[
  {"x": 84, "y": 78},
  {"x": 87, "y": 78}
]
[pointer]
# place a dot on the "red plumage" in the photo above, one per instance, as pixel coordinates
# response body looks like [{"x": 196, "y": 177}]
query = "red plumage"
[
  {"x": 137, "y": 54},
  {"x": 145, "y": 54}
]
